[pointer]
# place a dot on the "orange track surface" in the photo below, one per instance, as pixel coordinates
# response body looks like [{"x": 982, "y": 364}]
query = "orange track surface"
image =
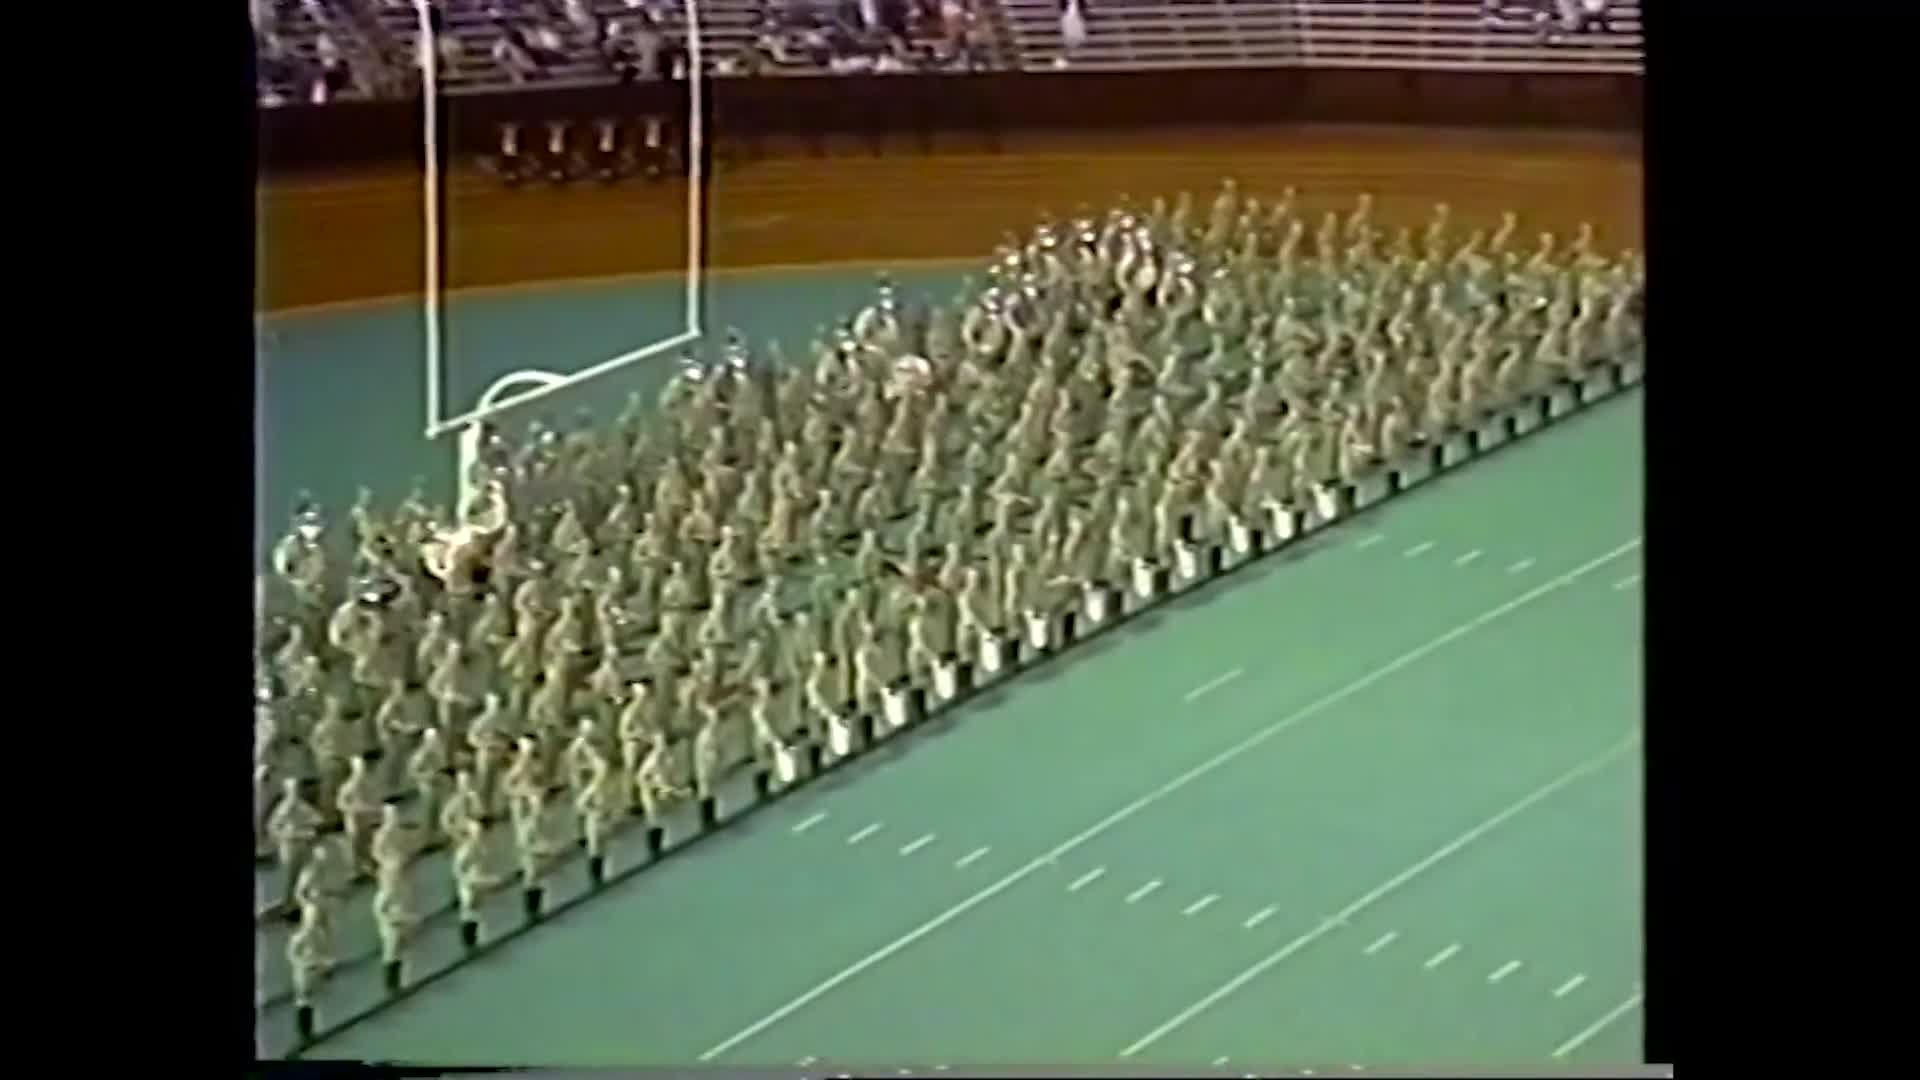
[{"x": 334, "y": 239}]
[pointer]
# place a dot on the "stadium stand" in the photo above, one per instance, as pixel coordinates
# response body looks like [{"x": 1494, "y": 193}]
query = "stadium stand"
[
  {"x": 324, "y": 50},
  {"x": 498, "y": 44},
  {"x": 1404, "y": 34}
]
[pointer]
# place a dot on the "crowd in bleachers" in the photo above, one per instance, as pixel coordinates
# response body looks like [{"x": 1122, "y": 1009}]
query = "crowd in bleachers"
[
  {"x": 320, "y": 50},
  {"x": 1551, "y": 21},
  {"x": 869, "y": 36}
]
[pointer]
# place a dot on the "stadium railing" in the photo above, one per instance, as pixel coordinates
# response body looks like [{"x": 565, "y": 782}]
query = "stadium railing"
[{"x": 1128, "y": 35}]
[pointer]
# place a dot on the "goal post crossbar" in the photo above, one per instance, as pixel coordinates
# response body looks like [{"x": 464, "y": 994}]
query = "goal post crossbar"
[
  {"x": 469, "y": 425},
  {"x": 493, "y": 403}
]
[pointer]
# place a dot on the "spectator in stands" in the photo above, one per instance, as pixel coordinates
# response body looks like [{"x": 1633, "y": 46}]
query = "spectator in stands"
[
  {"x": 847, "y": 59},
  {"x": 1562, "y": 17},
  {"x": 674, "y": 57},
  {"x": 1548, "y": 19},
  {"x": 1591, "y": 15},
  {"x": 546, "y": 45},
  {"x": 633, "y": 51},
  {"x": 1073, "y": 30},
  {"x": 979, "y": 42},
  {"x": 451, "y": 49},
  {"x": 818, "y": 42},
  {"x": 953, "y": 20},
  {"x": 270, "y": 50},
  {"x": 954, "y": 35},
  {"x": 511, "y": 53},
  {"x": 617, "y": 51},
  {"x": 279, "y": 69},
  {"x": 860, "y": 17},
  {"x": 769, "y": 46},
  {"x": 584, "y": 23},
  {"x": 648, "y": 47},
  {"x": 334, "y": 72},
  {"x": 892, "y": 57},
  {"x": 895, "y": 18},
  {"x": 331, "y": 76},
  {"x": 848, "y": 47},
  {"x": 446, "y": 46}
]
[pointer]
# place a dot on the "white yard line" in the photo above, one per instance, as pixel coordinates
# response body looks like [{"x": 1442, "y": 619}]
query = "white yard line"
[
  {"x": 917, "y": 844},
  {"x": 1381, "y": 942},
  {"x": 1141, "y": 893},
  {"x": 1260, "y": 916},
  {"x": 1087, "y": 879},
  {"x": 810, "y": 822},
  {"x": 1214, "y": 684},
  {"x": 1569, "y": 986},
  {"x": 1600, "y": 1025},
  {"x": 1467, "y": 558},
  {"x": 1419, "y": 549},
  {"x": 1201, "y": 904},
  {"x": 1442, "y": 956},
  {"x": 969, "y": 858},
  {"x": 864, "y": 833},
  {"x": 1371, "y": 540},
  {"x": 1098, "y": 828},
  {"x": 1519, "y": 566},
  {"x": 1504, "y": 970},
  {"x": 1374, "y": 895}
]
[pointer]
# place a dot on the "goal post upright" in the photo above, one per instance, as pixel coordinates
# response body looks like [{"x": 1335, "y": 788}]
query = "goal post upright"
[
  {"x": 527, "y": 386},
  {"x": 427, "y": 50},
  {"x": 696, "y": 167}
]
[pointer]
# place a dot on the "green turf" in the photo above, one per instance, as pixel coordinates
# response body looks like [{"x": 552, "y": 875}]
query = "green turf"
[
  {"x": 679, "y": 959},
  {"x": 1307, "y": 822},
  {"x": 1556, "y": 889}
]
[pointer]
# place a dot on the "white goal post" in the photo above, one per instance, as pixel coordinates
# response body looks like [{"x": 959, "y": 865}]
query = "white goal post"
[{"x": 524, "y": 387}]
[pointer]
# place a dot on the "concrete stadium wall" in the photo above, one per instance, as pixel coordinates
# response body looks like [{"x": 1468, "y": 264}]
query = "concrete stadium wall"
[{"x": 924, "y": 108}]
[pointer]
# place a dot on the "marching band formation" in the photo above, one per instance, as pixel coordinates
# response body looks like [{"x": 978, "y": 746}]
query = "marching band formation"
[{"x": 776, "y": 554}]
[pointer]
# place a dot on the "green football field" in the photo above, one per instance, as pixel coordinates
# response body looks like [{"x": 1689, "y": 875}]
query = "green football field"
[{"x": 1374, "y": 800}]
